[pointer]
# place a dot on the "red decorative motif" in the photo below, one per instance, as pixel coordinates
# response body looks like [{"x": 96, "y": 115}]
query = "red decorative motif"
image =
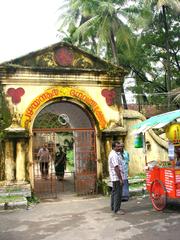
[
  {"x": 64, "y": 57},
  {"x": 16, "y": 94},
  {"x": 109, "y": 96}
]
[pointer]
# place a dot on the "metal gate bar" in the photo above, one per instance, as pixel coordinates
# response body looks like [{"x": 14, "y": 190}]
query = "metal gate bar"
[
  {"x": 85, "y": 162},
  {"x": 85, "y": 152},
  {"x": 44, "y": 187}
]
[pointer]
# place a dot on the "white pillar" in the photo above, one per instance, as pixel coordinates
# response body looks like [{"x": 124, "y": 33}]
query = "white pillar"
[
  {"x": 9, "y": 161},
  {"x": 20, "y": 161}
]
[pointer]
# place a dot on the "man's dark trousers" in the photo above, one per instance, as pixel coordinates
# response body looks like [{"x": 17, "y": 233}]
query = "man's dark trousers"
[{"x": 116, "y": 196}]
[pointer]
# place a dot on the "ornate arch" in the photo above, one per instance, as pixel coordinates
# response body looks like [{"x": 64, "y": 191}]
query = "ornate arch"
[{"x": 56, "y": 92}]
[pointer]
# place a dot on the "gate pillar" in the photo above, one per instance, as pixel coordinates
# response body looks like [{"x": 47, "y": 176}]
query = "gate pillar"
[
  {"x": 9, "y": 161},
  {"x": 20, "y": 161},
  {"x": 15, "y": 153}
]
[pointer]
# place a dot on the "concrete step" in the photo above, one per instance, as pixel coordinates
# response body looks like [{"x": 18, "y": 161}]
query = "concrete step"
[
  {"x": 14, "y": 195},
  {"x": 7, "y": 203}
]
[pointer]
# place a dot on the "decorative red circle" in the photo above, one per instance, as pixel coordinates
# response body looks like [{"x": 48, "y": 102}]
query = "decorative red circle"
[
  {"x": 64, "y": 57},
  {"x": 16, "y": 94}
]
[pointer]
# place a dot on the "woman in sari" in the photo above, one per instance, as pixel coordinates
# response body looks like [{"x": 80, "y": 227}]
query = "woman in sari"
[{"x": 60, "y": 164}]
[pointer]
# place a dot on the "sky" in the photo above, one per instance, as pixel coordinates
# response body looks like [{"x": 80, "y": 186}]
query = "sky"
[{"x": 27, "y": 26}]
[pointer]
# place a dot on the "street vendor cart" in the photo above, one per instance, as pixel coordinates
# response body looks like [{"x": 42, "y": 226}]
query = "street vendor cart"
[{"x": 163, "y": 182}]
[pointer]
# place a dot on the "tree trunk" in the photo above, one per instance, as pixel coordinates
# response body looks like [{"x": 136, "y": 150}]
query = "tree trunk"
[
  {"x": 116, "y": 61},
  {"x": 168, "y": 67},
  {"x": 124, "y": 98}
]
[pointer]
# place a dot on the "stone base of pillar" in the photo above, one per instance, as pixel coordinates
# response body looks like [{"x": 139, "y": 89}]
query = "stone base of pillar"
[{"x": 8, "y": 188}]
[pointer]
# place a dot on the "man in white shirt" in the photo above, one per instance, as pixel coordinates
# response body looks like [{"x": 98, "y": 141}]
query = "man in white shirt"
[
  {"x": 117, "y": 176},
  {"x": 44, "y": 158}
]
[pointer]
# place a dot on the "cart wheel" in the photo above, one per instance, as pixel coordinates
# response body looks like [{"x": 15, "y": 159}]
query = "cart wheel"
[{"x": 158, "y": 195}]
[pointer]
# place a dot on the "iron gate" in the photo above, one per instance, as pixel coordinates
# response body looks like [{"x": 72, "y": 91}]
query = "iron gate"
[
  {"x": 85, "y": 160},
  {"x": 85, "y": 164},
  {"x": 44, "y": 187}
]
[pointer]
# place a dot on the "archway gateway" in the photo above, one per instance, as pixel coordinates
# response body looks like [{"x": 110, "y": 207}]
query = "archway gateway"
[
  {"x": 56, "y": 92},
  {"x": 66, "y": 125}
]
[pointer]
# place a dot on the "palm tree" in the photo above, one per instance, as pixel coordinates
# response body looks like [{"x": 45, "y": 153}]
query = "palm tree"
[
  {"x": 99, "y": 23},
  {"x": 76, "y": 13}
]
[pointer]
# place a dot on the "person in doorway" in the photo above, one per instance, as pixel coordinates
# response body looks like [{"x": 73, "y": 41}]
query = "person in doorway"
[
  {"x": 115, "y": 164},
  {"x": 60, "y": 163},
  {"x": 126, "y": 159},
  {"x": 177, "y": 154},
  {"x": 44, "y": 157}
]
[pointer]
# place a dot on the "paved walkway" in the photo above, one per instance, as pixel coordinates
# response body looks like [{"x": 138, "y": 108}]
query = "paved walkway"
[{"x": 77, "y": 218}]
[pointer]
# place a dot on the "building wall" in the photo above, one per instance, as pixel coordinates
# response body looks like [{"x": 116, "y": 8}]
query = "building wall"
[
  {"x": 35, "y": 84},
  {"x": 91, "y": 84},
  {"x": 155, "y": 151}
]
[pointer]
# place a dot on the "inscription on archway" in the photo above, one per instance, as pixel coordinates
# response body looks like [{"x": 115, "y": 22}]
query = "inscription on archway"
[{"x": 55, "y": 92}]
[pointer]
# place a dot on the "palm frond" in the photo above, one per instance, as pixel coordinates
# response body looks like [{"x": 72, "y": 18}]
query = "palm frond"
[
  {"x": 174, "y": 4},
  {"x": 175, "y": 94},
  {"x": 86, "y": 27}
]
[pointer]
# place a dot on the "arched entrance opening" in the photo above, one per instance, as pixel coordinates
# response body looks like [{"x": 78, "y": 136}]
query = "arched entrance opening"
[{"x": 69, "y": 126}]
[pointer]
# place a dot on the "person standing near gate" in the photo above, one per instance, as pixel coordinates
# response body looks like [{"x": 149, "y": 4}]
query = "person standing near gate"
[
  {"x": 125, "y": 157},
  {"x": 115, "y": 165},
  {"x": 44, "y": 157},
  {"x": 60, "y": 163}
]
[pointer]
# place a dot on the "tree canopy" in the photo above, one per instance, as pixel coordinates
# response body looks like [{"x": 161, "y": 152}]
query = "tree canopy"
[{"x": 142, "y": 36}]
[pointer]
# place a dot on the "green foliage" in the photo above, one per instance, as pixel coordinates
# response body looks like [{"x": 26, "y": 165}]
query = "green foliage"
[
  {"x": 103, "y": 187},
  {"x": 5, "y": 121},
  {"x": 70, "y": 160},
  {"x": 13, "y": 198},
  {"x": 159, "y": 46},
  {"x": 33, "y": 199},
  {"x": 140, "y": 176},
  {"x": 142, "y": 36},
  {"x": 136, "y": 185},
  {"x": 5, "y": 115},
  {"x": 47, "y": 120}
]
